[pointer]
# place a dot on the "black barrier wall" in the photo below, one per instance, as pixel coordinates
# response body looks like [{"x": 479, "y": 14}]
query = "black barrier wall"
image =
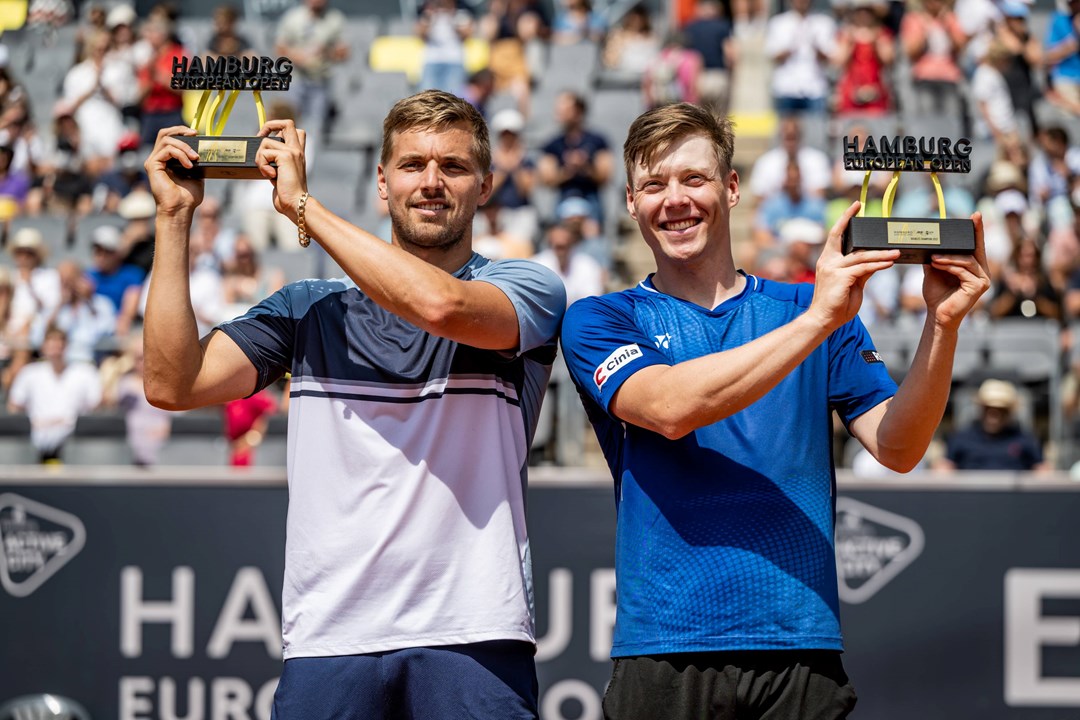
[{"x": 158, "y": 596}]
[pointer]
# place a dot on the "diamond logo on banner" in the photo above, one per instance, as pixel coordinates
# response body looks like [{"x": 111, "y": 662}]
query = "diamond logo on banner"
[
  {"x": 872, "y": 547},
  {"x": 35, "y": 542}
]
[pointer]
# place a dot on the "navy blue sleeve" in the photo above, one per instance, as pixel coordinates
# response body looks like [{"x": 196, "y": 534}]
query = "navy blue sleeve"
[
  {"x": 267, "y": 333},
  {"x": 603, "y": 346},
  {"x": 1033, "y": 450},
  {"x": 858, "y": 378}
]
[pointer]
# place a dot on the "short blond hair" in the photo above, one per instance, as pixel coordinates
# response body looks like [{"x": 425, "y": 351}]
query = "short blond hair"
[
  {"x": 655, "y": 131},
  {"x": 436, "y": 110}
]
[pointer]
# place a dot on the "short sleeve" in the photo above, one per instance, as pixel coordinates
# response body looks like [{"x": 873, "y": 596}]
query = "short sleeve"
[
  {"x": 266, "y": 334},
  {"x": 537, "y": 294},
  {"x": 1034, "y": 451},
  {"x": 858, "y": 377},
  {"x": 603, "y": 346},
  {"x": 1058, "y": 30}
]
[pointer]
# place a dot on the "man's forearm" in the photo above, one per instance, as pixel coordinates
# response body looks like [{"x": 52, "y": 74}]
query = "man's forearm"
[
  {"x": 173, "y": 354},
  {"x": 415, "y": 290},
  {"x": 913, "y": 415},
  {"x": 676, "y": 400}
]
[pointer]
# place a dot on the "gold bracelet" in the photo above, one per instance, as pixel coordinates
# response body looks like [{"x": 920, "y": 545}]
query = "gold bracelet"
[{"x": 301, "y": 228}]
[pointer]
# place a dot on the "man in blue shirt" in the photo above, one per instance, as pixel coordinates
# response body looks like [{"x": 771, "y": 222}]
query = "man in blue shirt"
[
  {"x": 111, "y": 275},
  {"x": 1062, "y": 55},
  {"x": 711, "y": 393}
]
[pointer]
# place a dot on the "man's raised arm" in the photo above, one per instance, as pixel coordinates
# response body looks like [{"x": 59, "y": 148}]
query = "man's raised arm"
[
  {"x": 898, "y": 431},
  {"x": 675, "y": 400},
  {"x": 182, "y": 371},
  {"x": 421, "y": 291}
]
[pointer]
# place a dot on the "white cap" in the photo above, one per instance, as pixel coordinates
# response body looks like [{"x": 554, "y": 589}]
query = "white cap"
[
  {"x": 507, "y": 120},
  {"x": 997, "y": 394},
  {"x": 138, "y": 205},
  {"x": 106, "y": 237},
  {"x": 802, "y": 230},
  {"x": 1011, "y": 201},
  {"x": 28, "y": 238},
  {"x": 120, "y": 15}
]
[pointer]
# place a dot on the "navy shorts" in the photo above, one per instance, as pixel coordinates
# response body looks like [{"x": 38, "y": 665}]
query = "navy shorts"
[{"x": 481, "y": 681}]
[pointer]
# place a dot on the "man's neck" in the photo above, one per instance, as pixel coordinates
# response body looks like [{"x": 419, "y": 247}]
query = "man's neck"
[
  {"x": 449, "y": 258},
  {"x": 704, "y": 284}
]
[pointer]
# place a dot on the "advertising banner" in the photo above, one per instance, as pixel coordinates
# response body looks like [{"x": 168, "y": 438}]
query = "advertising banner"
[{"x": 162, "y": 599}]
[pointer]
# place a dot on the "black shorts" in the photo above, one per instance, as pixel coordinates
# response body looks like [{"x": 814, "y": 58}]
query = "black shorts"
[{"x": 770, "y": 685}]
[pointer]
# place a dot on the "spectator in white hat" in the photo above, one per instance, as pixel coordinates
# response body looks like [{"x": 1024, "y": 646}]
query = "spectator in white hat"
[
  {"x": 138, "y": 209},
  {"x": 513, "y": 176},
  {"x": 576, "y": 213},
  {"x": 37, "y": 287},
  {"x": 112, "y": 277},
  {"x": 802, "y": 238},
  {"x": 995, "y": 440}
]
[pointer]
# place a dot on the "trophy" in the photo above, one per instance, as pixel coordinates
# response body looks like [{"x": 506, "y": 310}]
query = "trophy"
[
  {"x": 916, "y": 238},
  {"x": 221, "y": 81}
]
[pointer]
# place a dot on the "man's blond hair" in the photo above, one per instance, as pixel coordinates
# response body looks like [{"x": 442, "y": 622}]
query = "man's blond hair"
[
  {"x": 436, "y": 110},
  {"x": 653, "y": 132}
]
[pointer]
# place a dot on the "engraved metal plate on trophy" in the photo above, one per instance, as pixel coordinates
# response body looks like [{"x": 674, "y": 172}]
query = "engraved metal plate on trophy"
[
  {"x": 221, "y": 81},
  {"x": 916, "y": 238}
]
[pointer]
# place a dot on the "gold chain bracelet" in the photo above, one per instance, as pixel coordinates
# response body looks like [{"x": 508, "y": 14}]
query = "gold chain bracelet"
[{"x": 301, "y": 227}]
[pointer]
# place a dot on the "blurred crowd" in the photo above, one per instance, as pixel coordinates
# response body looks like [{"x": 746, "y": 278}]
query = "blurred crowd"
[{"x": 77, "y": 217}]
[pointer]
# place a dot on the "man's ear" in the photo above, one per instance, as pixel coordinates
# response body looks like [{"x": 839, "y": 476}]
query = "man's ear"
[
  {"x": 381, "y": 183},
  {"x": 485, "y": 189}
]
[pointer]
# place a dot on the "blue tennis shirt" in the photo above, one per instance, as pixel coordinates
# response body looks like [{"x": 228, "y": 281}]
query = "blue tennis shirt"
[{"x": 725, "y": 536}]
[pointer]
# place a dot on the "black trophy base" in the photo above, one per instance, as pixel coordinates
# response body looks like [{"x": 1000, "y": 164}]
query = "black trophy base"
[
  {"x": 221, "y": 157},
  {"x": 916, "y": 238}
]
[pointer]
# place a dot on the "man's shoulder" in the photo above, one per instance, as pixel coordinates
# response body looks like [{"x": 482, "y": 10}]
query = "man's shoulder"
[
  {"x": 480, "y": 267},
  {"x": 530, "y": 285},
  {"x": 621, "y": 302},
  {"x": 595, "y": 137},
  {"x": 300, "y": 297},
  {"x": 800, "y": 294}
]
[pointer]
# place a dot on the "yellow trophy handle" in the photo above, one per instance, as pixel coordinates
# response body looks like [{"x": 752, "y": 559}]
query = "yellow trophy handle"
[
  {"x": 862, "y": 195},
  {"x": 204, "y": 114},
  {"x": 940, "y": 195},
  {"x": 259, "y": 108},
  {"x": 197, "y": 120},
  {"x": 219, "y": 127},
  {"x": 890, "y": 194},
  {"x": 212, "y": 111}
]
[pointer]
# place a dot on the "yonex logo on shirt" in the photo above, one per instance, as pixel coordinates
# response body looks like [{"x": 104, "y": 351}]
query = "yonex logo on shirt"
[{"x": 615, "y": 362}]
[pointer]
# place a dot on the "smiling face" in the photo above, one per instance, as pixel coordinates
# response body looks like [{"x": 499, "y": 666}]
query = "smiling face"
[
  {"x": 433, "y": 183},
  {"x": 682, "y": 201}
]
